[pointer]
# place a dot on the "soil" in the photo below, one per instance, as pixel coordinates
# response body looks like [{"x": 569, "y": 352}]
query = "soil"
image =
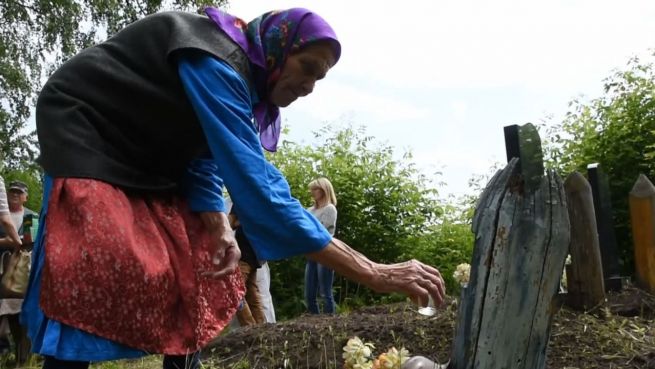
[{"x": 618, "y": 334}]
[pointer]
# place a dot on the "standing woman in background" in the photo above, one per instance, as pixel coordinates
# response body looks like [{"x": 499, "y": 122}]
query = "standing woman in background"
[{"x": 319, "y": 278}]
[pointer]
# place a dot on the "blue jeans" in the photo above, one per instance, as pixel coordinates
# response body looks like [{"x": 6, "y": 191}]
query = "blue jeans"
[{"x": 318, "y": 279}]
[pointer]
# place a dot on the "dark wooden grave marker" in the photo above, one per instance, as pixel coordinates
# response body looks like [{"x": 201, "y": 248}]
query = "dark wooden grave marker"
[{"x": 606, "y": 235}]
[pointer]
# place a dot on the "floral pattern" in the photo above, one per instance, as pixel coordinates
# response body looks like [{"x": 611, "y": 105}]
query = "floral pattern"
[{"x": 127, "y": 268}]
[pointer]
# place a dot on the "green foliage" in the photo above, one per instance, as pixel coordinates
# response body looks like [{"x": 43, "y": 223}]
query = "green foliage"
[
  {"x": 386, "y": 210},
  {"x": 616, "y": 130},
  {"x": 287, "y": 281},
  {"x": 446, "y": 245},
  {"x": 37, "y": 36},
  {"x": 17, "y": 147}
]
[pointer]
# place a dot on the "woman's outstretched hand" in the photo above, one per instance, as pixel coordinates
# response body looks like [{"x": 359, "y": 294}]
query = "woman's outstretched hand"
[
  {"x": 413, "y": 278},
  {"x": 417, "y": 280}
]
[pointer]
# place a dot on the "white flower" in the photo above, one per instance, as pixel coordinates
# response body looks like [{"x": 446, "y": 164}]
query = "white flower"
[
  {"x": 357, "y": 354},
  {"x": 564, "y": 283},
  {"x": 462, "y": 273}
]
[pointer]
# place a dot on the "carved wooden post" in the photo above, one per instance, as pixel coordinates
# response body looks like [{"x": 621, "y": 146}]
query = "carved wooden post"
[
  {"x": 521, "y": 228},
  {"x": 584, "y": 277},
  {"x": 642, "y": 216},
  {"x": 522, "y": 237},
  {"x": 606, "y": 235}
]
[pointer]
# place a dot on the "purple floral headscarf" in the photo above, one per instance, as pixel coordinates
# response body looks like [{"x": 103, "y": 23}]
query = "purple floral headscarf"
[{"x": 267, "y": 41}]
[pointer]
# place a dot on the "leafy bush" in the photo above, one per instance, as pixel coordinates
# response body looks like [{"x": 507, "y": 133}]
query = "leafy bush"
[
  {"x": 616, "y": 130},
  {"x": 445, "y": 245},
  {"x": 386, "y": 210}
]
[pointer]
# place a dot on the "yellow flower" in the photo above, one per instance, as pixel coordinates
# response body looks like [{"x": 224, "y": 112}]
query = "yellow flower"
[
  {"x": 392, "y": 359},
  {"x": 377, "y": 363}
]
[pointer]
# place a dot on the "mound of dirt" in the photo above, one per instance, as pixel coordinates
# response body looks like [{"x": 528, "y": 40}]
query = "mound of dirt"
[{"x": 618, "y": 334}]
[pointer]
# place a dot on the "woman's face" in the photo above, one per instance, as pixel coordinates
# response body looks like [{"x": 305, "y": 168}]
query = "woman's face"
[
  {"x": 300, "y": 72},
  {"x": 317, "y": 194}
]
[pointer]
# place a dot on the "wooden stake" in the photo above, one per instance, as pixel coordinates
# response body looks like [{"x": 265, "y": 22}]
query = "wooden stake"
[
  {"x": 584, "y": 276},
  {"x": 642, "y": 216}
]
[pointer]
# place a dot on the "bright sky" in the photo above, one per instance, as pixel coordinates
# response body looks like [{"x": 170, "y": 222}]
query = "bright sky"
[{"x": 442, "y": 78}]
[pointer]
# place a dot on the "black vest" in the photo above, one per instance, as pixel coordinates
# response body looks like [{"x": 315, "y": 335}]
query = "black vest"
[{"x": 118, "y": 112}]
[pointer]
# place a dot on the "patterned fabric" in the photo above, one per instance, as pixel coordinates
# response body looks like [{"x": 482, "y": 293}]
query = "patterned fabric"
[
  {"x": 268, "y": 40},
  {"x": 126, "y": 268}
]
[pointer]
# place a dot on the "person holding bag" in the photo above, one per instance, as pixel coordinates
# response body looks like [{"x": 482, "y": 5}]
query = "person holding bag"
[
  {"x": 10, "y": 242},
  {"x": 11, "y": 238},
  {"x": 16, "y": 268},
  {"x": 15, "y": 257}
]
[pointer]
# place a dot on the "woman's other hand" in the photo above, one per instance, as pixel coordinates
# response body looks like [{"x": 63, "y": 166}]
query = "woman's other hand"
[{"x": 225, "y": 252}]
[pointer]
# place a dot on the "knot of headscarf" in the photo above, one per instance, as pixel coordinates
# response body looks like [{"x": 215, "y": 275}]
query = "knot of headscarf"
[{"x": 267, "y": 41}]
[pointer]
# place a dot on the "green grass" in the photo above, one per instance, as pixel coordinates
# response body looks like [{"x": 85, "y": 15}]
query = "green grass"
[{"x": 148, "y": 362}]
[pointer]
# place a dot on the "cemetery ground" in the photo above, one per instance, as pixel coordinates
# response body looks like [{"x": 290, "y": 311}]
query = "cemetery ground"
[{"x": 617, "y": 334}]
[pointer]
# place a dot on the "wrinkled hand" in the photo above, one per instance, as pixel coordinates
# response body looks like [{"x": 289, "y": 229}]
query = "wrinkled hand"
[
  {"x": 225, "y": 250},
  {"x": 12, "y": 242},
  {"x": 413, "y": 278},
  {"x": 18, "y": 243}
]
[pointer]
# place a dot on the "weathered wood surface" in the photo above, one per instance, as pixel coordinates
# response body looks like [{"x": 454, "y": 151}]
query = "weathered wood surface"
[
  {"x": 584, "y": 277},
  {"x": 523, "y": 143},
  {"x": 522, "y": 240},
  {"x": 642, "y": 216},
  {"x": 468, "y": 322},
  {"x": 605, "y": 223}
]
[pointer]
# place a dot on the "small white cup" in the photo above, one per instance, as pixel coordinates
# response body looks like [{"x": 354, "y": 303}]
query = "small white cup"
[{"x": 428, "y": 310}]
